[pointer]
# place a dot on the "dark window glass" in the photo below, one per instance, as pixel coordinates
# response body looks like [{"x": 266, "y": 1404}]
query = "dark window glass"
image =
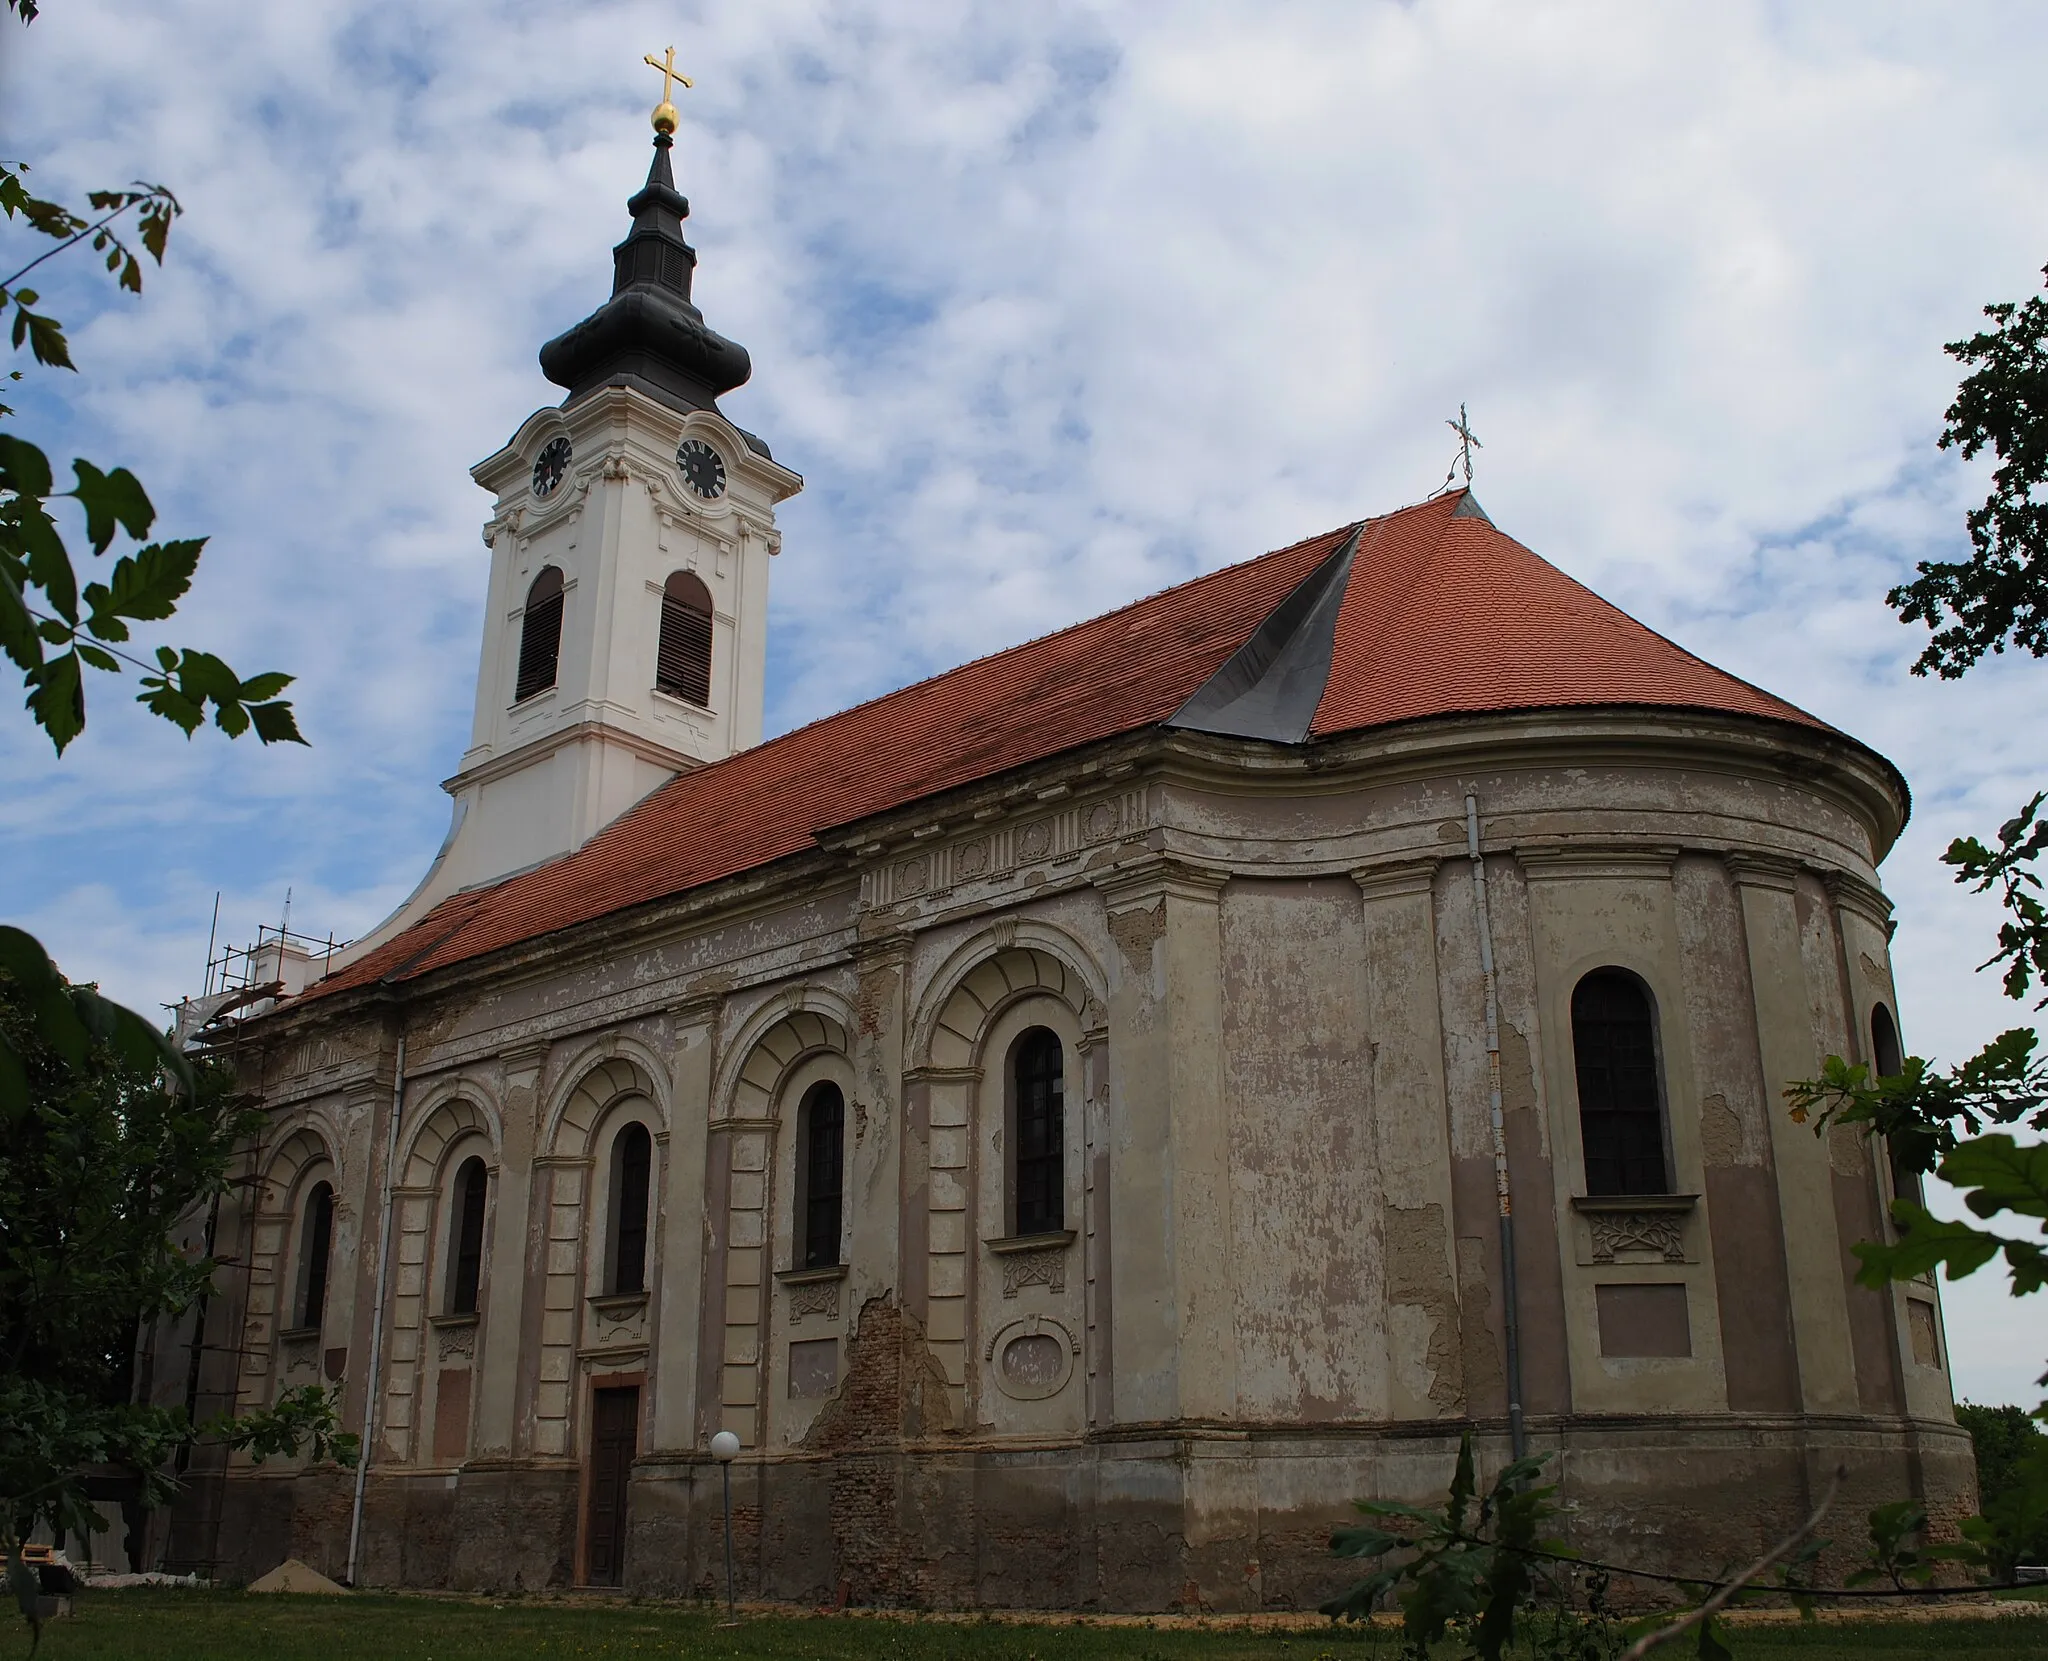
[
  {"x": 1041, "y": 1139},
  {"x": 1884, "y": 1044},
  {"x": 634, "y": 1157},
  {"x": 540, "y": 635},
  {"x": 822, "y": 1141},
  {"x": 317, "y": 1242},
  {"x": 1886, "y": 1061},
  {"x": 683, "y": 665},
  {"x": 1621, "y": 1108},
  {"x": 468, "y": 1267}
]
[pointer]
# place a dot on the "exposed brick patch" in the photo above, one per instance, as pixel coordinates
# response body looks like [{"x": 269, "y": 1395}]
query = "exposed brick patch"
[
  {"x": 894, "y": 1390},
  {"x": 1136, "y": 933}
]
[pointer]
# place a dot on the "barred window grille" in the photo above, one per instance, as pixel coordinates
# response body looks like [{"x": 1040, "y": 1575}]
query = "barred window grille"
[
  {"x": 821, "y": 1141},
  {"x": 1040, "y": 1172},
  {"x": 1621, "y": 1090},
  {"x": 315, "y": 1246},
  {"x": 1620, "y": 1084},
  {"x": 540, "y": 636},
  {"x": 633, "y": 1160},
  {"x": 467, "y": 1266},
  {"x": 683, "y": 665}
]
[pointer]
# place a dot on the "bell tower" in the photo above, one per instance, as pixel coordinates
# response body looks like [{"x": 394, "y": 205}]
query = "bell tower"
[{"x": 625, "y": 632}]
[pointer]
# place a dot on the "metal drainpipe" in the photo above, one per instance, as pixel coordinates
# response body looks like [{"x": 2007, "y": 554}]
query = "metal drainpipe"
[
  {"x": 1518, "y": 1439},
  {"x": 374, "y": 1387}
]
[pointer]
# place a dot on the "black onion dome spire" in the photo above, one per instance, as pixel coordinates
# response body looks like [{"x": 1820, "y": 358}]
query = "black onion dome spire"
[{"x": 648, "y": 334}]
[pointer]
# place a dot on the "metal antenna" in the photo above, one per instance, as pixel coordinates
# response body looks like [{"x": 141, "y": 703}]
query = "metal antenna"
[{"x": 1468, "y": 441}]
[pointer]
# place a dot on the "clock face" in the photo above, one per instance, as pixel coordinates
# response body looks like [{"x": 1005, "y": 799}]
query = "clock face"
[
  {"x": 551, "y": 466},
  {"x": 703, "y": 472}
]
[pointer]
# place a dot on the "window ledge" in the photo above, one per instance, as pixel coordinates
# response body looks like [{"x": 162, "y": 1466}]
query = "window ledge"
[
  {"x": 468, "y": 1319},
  {"x": 298, "y": 1334},
  {"x": 532, "y": 700},
  {"x": 809, "y": 1277},
  {"x": 680, "y": 701},
  {"x": 616, "y": 1304},
  {"x": 1051, "y": 1240},
  {"x": 1634, "y": 1202}
]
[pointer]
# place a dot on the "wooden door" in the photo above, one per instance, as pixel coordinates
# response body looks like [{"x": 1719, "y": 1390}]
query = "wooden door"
[{"x": 614, "y": 1439}]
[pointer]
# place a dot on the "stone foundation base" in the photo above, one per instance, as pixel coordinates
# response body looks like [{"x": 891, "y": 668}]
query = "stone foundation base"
[{"x": 1129, "y": 1522}]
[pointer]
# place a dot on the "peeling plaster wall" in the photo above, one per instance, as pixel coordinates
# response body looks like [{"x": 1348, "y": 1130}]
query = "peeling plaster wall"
[
  {"x": 1282, "y": 1288},
  {"x": 1306, "y": 1221}
]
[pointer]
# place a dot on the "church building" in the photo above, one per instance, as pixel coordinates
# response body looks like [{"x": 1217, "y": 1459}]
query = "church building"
[{"x": 1079, "y": 1121}]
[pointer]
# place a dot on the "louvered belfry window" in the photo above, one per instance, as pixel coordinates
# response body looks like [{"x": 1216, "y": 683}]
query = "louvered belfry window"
[
  {"x": 683, "y": 667},
  {"x": 540, "y": 637}
]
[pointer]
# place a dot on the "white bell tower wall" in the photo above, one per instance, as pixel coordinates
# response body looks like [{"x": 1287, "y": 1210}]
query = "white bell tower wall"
[{"x": 545, "y": 773}]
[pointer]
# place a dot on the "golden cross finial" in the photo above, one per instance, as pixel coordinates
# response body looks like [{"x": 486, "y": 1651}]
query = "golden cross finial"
[{"x": 664, "y": 117}]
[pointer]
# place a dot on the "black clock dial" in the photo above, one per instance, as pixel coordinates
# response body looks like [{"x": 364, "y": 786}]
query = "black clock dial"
[
  {"x": 551, "y": 466},
  {"x": 703, "y": 472}
]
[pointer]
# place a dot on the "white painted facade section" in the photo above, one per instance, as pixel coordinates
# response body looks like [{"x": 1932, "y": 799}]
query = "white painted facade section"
[{"x": 543, "y": 775}]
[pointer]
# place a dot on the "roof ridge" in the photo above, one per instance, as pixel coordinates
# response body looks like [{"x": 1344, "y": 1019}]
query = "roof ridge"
[{"x": 1089, "y": 621}]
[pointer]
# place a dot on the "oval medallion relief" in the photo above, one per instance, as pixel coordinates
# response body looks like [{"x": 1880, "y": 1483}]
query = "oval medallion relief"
[{"x": 1031, "y": 1359}]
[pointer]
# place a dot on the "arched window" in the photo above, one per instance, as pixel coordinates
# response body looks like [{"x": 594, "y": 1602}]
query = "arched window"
[
  {"x": 1621, "y": 1093},
  {"x": 466, "y": 1238},
  {"x": 1040, "y": 1175},
  {"x": 632, "y": 1160},
  {"x": 683, "y": 665},
  {"x": 540, "y": 635},
  {"x": 1885, "y": 1059},
  {"x": 1888, "y": 1061},
  {"x": 820, "y": 1174},
  {"x": 316, "y": 1241}
]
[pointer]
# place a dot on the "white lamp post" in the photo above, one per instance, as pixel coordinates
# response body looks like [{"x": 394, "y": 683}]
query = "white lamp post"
[{"x": 725, "y": 1448}]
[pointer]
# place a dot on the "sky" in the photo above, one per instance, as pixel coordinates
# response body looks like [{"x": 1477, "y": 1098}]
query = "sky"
[{"x": 1051, "y": 305}]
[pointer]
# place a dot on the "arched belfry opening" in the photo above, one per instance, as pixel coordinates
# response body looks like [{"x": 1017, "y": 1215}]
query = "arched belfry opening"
[
  {"x": 540, "y": 635},
  {"x": 683, "y": 663}
]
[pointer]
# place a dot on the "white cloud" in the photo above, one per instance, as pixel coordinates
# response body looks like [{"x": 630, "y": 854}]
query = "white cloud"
[{"x": 1051, "y": 305}]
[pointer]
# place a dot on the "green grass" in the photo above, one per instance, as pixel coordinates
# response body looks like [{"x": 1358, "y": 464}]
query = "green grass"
[{"x": 231, "y": 1626}]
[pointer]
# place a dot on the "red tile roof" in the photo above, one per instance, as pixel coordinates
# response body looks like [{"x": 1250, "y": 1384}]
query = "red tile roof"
[{"x": 1442, "y": 615}]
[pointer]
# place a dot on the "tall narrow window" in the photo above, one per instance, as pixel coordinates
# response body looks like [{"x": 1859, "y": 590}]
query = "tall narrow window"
[
  {"x": 466, "y": 1239},
  {"x": 540, "y": 635},
  {"x": 683, "y": 665},
  {"x": 821, "y": 1150},
  {"x": 1041, "y": 1177},
  {"x": 1887, "y": 1061},
  {"x": 632, "y": 1159},
  {"x": 314, "y": 1246},
  {"x": 1621, "y": 1097}
]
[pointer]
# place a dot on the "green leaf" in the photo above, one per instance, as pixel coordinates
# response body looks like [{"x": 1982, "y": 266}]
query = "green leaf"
[
  {"x": 57, "y": 699},
  {"x": 262, "y": 688},
  {"x": 2004, "y": 1175},
  {"x": 111, "y": 499},
  {"x": 23, "y": 468},
  {"x": 45, "y": 338},
  {"x": 1711, "y": 1647},
  {"x": 148, "y": 584}
]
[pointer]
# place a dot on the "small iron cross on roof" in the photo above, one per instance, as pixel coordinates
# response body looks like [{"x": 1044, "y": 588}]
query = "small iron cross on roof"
[{"x": 1468, "y": 441}]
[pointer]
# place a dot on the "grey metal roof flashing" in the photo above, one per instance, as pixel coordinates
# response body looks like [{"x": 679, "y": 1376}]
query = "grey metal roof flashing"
[{"x": 1272, "y": 684}]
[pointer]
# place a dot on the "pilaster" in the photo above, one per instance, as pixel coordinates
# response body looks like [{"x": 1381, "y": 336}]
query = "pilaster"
[
  {"x": 677, "y": 1331},
  {"x": 1820, "y": 1315},
  {"x": 1174, "y": 1341},
  {"x": 506, "y": 1292}
]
